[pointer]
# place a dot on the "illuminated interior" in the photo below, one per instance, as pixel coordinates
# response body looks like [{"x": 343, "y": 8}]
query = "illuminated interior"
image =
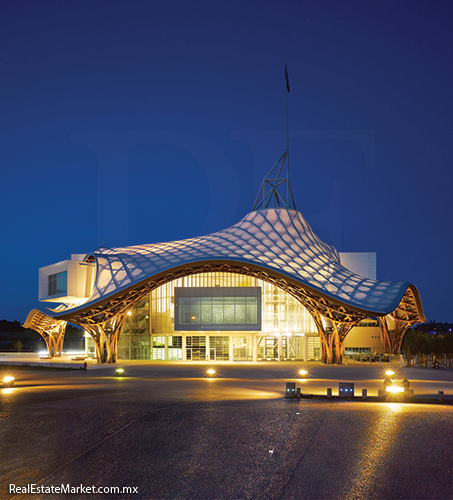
[
  {"x": 287, "y": 330},
  {"x": 310, "y": 303}
]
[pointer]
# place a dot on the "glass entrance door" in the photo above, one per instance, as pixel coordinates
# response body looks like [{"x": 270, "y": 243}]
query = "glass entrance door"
[
  {"x": 221, "y": 348},
  {"x": 293, "y": 347},
  {"x": 197, "y": 347},
  {"x": 267, "y": 348}
]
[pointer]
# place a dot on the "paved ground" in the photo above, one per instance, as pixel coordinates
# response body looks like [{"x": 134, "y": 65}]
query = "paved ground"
[{"x": 170, "y": 432}]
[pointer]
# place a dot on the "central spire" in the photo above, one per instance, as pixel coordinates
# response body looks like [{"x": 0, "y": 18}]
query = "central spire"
[{"x": 275, "y": 191}]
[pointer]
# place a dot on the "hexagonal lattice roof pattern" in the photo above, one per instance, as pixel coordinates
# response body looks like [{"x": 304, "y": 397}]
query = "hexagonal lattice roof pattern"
[{"x": 274, "y": 239}]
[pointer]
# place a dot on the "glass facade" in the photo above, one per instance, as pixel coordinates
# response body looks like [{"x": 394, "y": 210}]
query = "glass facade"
[
  {"x": 267, "y": 348},
  {"x": 242, "y": 348},
  {"x": 313, "y": 348},
  {"x": 218, "y": 308},
  {"x": 174, "y": 352},
  {"x": 237, "y": 318},
  {"x": 196, "y": 348},
  {"x": 219, "y": 348},
  {"x": 134, "y": 341},
  {"x": 58, "y": 283}
]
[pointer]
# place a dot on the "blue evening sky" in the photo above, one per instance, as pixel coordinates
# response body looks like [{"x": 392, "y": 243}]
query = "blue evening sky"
[{"x": 129, "y": 122}]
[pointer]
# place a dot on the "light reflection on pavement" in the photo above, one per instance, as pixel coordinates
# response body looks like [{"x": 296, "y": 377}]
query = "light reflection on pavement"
[{"x": 174, "y": 433}]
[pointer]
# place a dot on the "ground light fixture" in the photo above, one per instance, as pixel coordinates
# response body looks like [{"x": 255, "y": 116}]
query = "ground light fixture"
[
  {"x": 394, "y": 389},
  {"x": 210, "y": 372},
  {"x": 390, "y": 373},
  {"x": 119, "y": 372},
  {"x": 8, "y": 381},
  {"x": 303, "y": 374}
]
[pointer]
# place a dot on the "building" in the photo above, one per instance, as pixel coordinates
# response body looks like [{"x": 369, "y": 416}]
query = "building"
[{"x": 266, "y": 288}]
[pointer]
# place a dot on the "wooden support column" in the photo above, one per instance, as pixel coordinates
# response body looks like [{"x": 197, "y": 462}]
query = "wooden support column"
[
  {"x": 340, "y": 332},
  {"x": 383, "y": 325},
  {"x": 95, "y": 334},
  {"x": 106, "y": 336},
  {"x": 326, "y": 348},
  {"x": 53, "y": 335},
  {"x": 112, "y": 335},
  {"x": 50, "y": 343},
  {"x": 59, "y": 338},
  {"x": 399, "y": 331}
]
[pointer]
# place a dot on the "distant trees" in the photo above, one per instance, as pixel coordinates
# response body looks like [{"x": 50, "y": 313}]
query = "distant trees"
[
  {"x": 10, "y": 326},
  {"x": 17, "y": 345},
  {"x": 424, "y": 343},
  {"x": 15, "y": 338}
]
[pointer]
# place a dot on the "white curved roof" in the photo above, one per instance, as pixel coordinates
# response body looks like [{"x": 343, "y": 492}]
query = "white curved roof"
[{"x": 275, "y": 239}]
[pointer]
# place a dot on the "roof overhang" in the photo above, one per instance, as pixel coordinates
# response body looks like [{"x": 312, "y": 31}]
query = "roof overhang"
[{"x": 408, "y": 307}]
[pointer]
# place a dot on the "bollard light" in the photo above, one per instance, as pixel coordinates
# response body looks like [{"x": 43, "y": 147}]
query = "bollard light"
[
  {"x": 394, "y": 388},
  {"x": 8, "y": 381},
  {"x": 290, "y": 390}
]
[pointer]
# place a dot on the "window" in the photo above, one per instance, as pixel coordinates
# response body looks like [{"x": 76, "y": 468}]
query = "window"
[
  {"x": 218, "y": 308},
  {"x": 196, "y": 348},
  {"x": 58, "y": 283},
  {"x": 219, "y": 348},
  {"x": 243, "y": 348},
  {"x": 159, "y": 347},
  {"x": 174, "y": 348}
]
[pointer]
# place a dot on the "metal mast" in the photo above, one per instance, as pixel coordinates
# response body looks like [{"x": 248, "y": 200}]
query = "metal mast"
[
  {"x": 287, "y": 132},
  {"x": 272, "y": 191}
]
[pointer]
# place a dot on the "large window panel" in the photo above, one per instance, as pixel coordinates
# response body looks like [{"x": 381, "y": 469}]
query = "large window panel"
[
  {"x": 217, "y": 311},
  {"x": 240, "y": 310},
  {"x": 206, "y": 310},
  {"x": 252, "y": 310},
  {"x": 218, "y": 308},
  {"x": 184, "y": 310},
  {"x": 58, "y": 283},
  {"x": 229, "y": 310},
  {"x": 174, "y": 348},
  {"x": 195, "y": 311}
]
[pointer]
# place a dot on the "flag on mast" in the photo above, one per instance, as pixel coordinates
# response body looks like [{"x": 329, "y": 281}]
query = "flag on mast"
[{"x": 286, "y": 78}]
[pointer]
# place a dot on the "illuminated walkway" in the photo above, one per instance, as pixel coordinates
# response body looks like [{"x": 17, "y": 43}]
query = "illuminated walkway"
[
  {"x": 425, "y": 382},
  {"x": 172, "y": 433}
]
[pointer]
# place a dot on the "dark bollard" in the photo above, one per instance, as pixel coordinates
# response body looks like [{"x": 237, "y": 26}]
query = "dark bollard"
[
  {"x": 290, "y": 390},
  {"x": 346, "y": 389},
  {"x": 440, "y": 396},
  {"x": 364, "y": 394},
  {"x": 329, "y": 393}
]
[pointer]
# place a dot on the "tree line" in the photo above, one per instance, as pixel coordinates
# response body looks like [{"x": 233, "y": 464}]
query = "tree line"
[
  {"x": 15, "y": 338},
  {"x": 423, "y": 343}
]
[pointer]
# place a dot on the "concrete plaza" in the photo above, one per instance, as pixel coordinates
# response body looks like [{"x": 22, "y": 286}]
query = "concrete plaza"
[{"x": 167, "y": 431}]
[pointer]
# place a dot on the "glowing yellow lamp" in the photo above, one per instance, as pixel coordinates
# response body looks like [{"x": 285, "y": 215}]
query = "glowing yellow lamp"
[
  {"x": 8, "y": 381},
  {"x": 394, "y": 388}
]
